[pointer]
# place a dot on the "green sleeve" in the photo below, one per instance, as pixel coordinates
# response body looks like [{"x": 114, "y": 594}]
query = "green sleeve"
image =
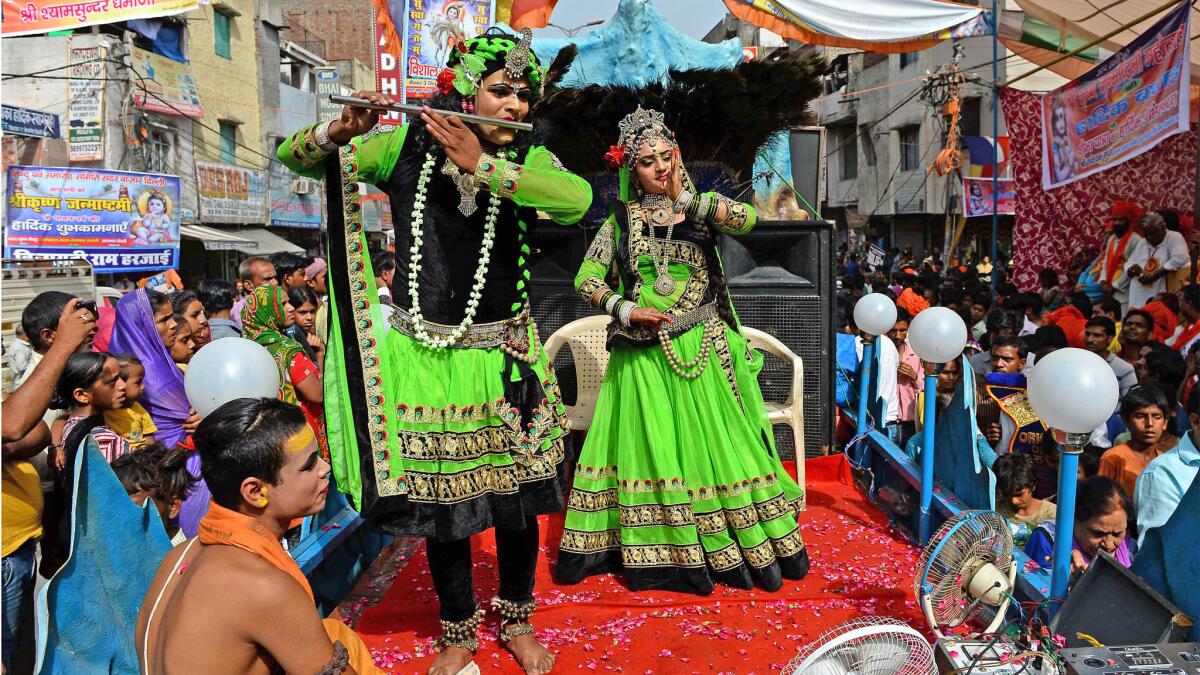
[
  {"x": 540, "y": 183},
  {"x": 378, "y": 150},
  {"x": 597, "y": 261},
  {"x": 740, "y": 217}
]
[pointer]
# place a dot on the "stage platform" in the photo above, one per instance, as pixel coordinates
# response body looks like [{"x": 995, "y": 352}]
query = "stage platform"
[{"x": 858, "y": 568}]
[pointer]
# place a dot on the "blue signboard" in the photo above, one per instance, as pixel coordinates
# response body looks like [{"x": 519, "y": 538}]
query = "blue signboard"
[{"x": 26, "y": 122}]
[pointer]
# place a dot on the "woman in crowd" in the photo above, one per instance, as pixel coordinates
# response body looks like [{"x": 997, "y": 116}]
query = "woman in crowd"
[
  {"x": 1103, "y": 514},
  {"x": 304, "y": 330},
  {"x": 145, "y": 329},
  {"x": 90, "y": 386},
  {"x": 679, "y": 485},
  {"x": 265, "y": 318},
  {"x": 188, "y": 304}
]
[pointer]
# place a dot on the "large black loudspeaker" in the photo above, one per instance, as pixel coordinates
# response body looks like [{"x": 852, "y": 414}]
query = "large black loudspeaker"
[{"x": 781, "y": 281}]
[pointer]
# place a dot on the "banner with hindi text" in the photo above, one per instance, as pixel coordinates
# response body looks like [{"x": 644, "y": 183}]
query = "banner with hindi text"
[
  {"x": 119, "y": 221},
  {"x": 977, "y": 197},
  {"x": 231, "y": 194},
  {"x": 28, "y": 17},
  {"x": 1126, "y": 105}
]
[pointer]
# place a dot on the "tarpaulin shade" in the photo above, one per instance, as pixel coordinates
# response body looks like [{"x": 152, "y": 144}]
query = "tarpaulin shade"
[
  {"x": 1090, "y": 19},
  {"x": 887, "y": 26}
]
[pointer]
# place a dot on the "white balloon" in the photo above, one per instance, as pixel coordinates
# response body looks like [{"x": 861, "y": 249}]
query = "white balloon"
[
  {"x": 1073, "y": 390},
  {"x": 875, "y": 314},
  {"x": 937, "y": 335},
  {"x": 228, "y": 369}
]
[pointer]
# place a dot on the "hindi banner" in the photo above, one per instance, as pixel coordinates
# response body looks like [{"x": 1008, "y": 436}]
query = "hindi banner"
[
  {"x": 1121, "y": 108},
  {"x": 25, "y": 122},
  {"x": 164, "y": 85},
  {"x": 85, "y": 107},
  {"x": 231, "y": 194},
  {"x": 300, "y": 210},
  {"x": 28, "y": 17},
  {"x": 977, "y": 197},
  {"x": 118, "y": 221},
  {"x": 430, "y": 29}
]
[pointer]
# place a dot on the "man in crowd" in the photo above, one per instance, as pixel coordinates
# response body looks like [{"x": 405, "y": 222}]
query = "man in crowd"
[
  {"x": 253, "y": 272},
  {"x": 1161, "y": 254},
  {"x": 58, "y": 326},
  {"x": 977, "y": 314},
  {"x": 289, "y": 270},
  {"x": 1000, "y": 323},
  {"x": 1189, "y": 314},
  {"x": 239, "y": 593},
  {"x": 1097, "y": 336},
  {"x": 384, "y": 265},
  {"x": 1109, "y": 267},
  {"x": 217, "y": 296},
  {"x": 1030, "y": 306},
  {"x": 1136, "y": 331},
  {"x": 1005, "y": 415}
]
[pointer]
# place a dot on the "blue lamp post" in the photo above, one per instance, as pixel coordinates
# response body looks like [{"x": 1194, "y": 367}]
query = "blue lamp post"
[
  {"x": 937, "y": 335},
  {"x": 1073, "y": 391},
  {"x": 874, "y": 314}
]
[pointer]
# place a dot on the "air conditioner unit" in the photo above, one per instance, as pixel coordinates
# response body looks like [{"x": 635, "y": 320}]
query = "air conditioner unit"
[{"x": 301, "y": 186}]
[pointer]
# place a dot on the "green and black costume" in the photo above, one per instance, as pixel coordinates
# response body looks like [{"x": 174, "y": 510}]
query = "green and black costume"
[{"x": 443, "y": 443}]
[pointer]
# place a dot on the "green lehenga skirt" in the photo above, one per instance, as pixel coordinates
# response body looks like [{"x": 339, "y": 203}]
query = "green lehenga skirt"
[{"x": 678, "y": 485}]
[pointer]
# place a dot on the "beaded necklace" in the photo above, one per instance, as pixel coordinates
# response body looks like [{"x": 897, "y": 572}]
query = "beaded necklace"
[{"x": 532, "y": 351}]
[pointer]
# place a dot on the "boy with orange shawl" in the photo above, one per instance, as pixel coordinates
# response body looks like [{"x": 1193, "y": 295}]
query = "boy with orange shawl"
[{"x": 237, "y": 602}]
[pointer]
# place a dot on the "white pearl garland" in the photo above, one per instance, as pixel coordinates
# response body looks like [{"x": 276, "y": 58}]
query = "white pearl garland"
[
  {"x": 414, "y": 263},
  {"x": 688, "y": 369}
]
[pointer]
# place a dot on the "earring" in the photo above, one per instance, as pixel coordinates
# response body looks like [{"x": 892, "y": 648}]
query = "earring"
[{"x": 262, "y": 501}]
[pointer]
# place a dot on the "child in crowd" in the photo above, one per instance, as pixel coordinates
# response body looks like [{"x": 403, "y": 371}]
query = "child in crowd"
[
  {"x": 90, "y": 386},
  {"x": 909, "y": 376},
  {"x": 1145, "y": 411},
  {"x": 1103, "y": 515},
  {"x": 185, "y": 342},
  {"x": 160, "y": 475},
  {"x": 1016, "y": 479},
  {"x": 131, "y": 421}
]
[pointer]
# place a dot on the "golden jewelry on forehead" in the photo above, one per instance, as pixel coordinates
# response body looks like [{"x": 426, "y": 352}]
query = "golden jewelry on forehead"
[{"x": 300, "y": 440}]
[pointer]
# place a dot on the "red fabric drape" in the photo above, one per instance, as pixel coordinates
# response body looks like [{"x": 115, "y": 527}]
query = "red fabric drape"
[{"x": 1052, "y": 226}]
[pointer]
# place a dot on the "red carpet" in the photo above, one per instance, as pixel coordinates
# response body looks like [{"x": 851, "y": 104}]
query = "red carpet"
[{"x": 858, "y": 568}]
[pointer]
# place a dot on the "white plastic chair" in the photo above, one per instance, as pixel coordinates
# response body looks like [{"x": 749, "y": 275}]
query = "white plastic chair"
[
  {"x": 586, "y": 338},
  {"x": 791, "y": 411}
]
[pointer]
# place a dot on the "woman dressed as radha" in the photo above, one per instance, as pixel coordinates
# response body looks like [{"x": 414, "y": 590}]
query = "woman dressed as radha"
[{"x": 679, "y": 485}]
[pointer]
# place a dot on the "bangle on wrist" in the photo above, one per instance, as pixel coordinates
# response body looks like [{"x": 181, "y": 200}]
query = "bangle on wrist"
[
  {"x": 322, "y": 135},
  {"x": 682, "y": 202},
  {"x": 625, "y": 313}
]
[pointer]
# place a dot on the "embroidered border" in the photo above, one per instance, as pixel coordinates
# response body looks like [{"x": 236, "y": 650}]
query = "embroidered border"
[
  {"x": 662, "y": 555},
  {"x": 304, "y": 146},
  {"x": 360, "y": 309},
  {"x": 720, "y": 341},
  {"x": 602, "y": 247},
  {"x": 725, "y": 558},
  {"x": 670, "y": 484},
  {"x": 737, "y": 217},
  {"x": 660, "y": 515},
  {"x": 437, "y": 488}
]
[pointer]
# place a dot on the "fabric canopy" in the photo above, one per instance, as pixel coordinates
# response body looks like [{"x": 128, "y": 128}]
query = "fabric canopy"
[
  {"x": 216, "y": 240},
  {"x": 887, "y": 26},
  {"x": 266, "y": 243},
  {"x": 1089, "y": 19},
  {"x": 1041, "y": 44}
]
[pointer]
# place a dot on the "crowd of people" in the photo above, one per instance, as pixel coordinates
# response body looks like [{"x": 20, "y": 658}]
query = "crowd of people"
[
  {"x": 1132, "y": 303},
  {"x": 116, "y": 376}
]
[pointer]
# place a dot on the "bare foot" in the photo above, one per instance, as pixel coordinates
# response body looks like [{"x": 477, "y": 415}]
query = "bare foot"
[
  {"x": 533, "y": 657},
  {"x": 451, "y": 661}
]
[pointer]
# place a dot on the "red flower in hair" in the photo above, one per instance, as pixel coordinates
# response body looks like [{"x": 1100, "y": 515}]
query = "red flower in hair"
[
  {"x": 445, "y": 81},
  {"x": 461, "y": 46},
  {"x": 615, "y": 157}
]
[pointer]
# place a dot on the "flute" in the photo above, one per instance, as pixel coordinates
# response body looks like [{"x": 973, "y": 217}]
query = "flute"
[{"x": 356, "y": 102}]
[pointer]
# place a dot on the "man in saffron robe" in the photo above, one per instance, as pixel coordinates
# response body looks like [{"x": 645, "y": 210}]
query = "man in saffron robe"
[{"x": 1107, "y": 273}]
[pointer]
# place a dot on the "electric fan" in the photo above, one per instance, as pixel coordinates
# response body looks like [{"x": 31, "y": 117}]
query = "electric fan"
[
  {"x": 966, "y": 565},
  {"x": 870, "y": 646}
]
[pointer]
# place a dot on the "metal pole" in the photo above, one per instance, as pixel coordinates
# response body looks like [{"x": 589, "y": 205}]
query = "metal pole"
[
  {"x": 864, "y": 392},
  {"x": 995, "y": 146},
  {"x": 927, "y": 449},
  {"x": 1064, "y": 522}
]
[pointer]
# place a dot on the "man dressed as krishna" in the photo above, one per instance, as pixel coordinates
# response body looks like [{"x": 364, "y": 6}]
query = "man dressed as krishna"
[{"x": 447, "y": 420}]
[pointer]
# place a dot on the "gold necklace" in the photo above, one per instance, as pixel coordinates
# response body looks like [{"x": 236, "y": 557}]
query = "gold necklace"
[{"x": 657, "y": 211}]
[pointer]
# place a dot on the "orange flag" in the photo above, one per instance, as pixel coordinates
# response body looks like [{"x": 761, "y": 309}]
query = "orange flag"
[{"x": 524, "y": 13}]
